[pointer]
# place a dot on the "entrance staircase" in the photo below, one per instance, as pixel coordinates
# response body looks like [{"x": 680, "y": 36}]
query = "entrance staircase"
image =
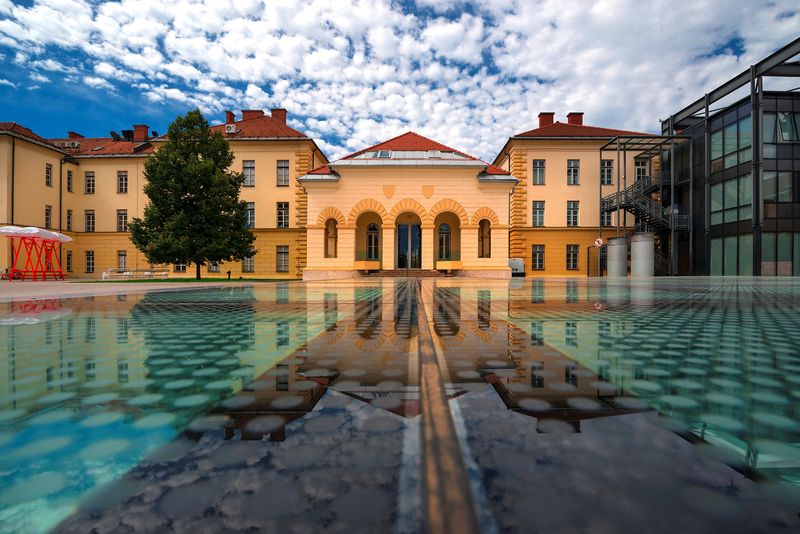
[{"x": 408, "y": 273}]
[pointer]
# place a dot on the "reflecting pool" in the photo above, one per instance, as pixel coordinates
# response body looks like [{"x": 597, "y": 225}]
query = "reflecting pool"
[{"x": 574, "y": 405}]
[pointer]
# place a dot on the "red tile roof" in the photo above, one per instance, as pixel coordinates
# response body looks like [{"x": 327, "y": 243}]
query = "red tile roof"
[
  {"x": 561, "y": 129},
  {"x": 264, "y": 126},
  {"x": 407, "y": 142},
  {"x": 103, "y": 146},
  {"x": 23, "y": 131}
]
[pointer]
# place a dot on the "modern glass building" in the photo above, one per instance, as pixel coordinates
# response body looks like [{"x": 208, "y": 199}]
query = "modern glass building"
[{"x": 738, "y": 177}]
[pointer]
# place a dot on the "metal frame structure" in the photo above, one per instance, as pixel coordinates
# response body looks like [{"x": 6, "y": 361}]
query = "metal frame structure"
[
  {"x": 647, "y": 146},
  {"x": 777, "y": 64},
  {"x": 42, "y": 259}
]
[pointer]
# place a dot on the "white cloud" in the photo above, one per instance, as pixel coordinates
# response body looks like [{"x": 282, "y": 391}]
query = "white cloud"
[
  {"x": 358, "y": 71},
  {"x": 3, "y": 81}
]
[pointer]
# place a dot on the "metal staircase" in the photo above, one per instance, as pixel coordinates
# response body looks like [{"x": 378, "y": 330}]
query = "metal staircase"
[{"x": 635, "y": 199}]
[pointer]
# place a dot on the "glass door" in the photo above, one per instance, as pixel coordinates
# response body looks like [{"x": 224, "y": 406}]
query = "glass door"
[{"x": 409, "y": 246}]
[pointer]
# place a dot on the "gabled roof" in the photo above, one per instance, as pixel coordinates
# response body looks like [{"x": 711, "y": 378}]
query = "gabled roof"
[
  {"x": 413, "y": 149},
  {"x": 26, "y": 133},
  {"x": 409, "y": 142},
  {"x": 103, "y": 146},
  {"x": 560, "y": 130},
  {"x": 259, "y": 128}
]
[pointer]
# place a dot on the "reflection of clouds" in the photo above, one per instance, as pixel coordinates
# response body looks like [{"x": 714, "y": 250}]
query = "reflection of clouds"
[
  {"x": 339, "y": 465},
  {"x": 620, "y": 474}
]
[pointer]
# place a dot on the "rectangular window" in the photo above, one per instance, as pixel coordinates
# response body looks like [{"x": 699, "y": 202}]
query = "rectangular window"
[
  {"x": 122, "y": 259},
  {"x": 640, "y": 169},
  {"x": 88, "y": 183},
  {"x": 572, "y": 257},
  {"x": 283, "y": 173},
  {"x": 607, "y": 172},
  {"x": 283, "y": 215},
  {"x": 537, "y": 333},
  {"x": 69, "y": 220},
  {"x": 122, "y": 220},
  {"x": 784, "y": 186},
  {"x": 538, "y": 172},
  {"x": 69, "y": 181},
  {"x": 251, "y": 214},
  {"x": 537, "y": 257},
  {"x": 249, "y": 171},
  {"x": 605, "y": 218},
  {"x": 248, "y": 264},
  {"x": 213, "y": 267},
  {"x": 573, "y": 171},
  {"x": 89, "y": 221},
  {"x": 786, "y": 128},
  {"x": 48, "y": 216},
  {"x": 48, "y": 175},
  {"x": 179, "y": 267},
  {"x": 282, "y": 259},
  {"x": 90, "y": 261},
  {"x": 572, "y": 212},
  {"x": 69, "y": 261},
  {"x": 122, "y": 181},
  {"x": 538, "y": 213}
]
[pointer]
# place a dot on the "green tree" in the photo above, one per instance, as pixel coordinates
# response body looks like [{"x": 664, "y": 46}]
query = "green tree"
[{"x": 194, "y": 214}]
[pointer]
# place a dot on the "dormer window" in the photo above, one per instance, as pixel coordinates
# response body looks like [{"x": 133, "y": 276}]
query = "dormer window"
[
  {"x": 434, "y": 154},
  {"x": 383, "y": 154}
]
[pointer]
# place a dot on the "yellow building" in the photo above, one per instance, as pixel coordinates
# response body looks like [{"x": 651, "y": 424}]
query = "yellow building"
[
  {"x": 407, "y": 203},
  {"x": 555, "y": 210},
  {"x": 89, "y": 188}
]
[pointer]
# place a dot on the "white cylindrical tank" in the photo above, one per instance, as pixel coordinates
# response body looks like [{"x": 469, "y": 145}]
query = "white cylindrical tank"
[
  {"x": 642, "y": 255},
  {"x": 617, "y": 257}
]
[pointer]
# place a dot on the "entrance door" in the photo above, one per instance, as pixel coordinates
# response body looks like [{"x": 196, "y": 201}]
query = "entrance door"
[{"x": 409, "y": 246}]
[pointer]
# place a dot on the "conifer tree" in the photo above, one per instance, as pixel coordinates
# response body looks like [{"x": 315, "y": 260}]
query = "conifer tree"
[{"x": 194, "y": 214}]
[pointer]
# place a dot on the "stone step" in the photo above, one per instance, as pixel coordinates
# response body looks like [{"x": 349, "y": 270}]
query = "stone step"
[{"x": 413, "y": 273}]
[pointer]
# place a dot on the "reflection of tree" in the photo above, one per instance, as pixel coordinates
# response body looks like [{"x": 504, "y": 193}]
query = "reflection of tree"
[{"x": 194, "y": 338}]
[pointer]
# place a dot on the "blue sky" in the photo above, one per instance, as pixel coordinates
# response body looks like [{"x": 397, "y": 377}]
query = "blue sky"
[{"x": 351, "y": 73}]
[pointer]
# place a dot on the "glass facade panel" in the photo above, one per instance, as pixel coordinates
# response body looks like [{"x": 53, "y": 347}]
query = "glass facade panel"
[
  {"x": 731, "y": 255},
  {"x": 769, "y": 186},
  {"x": 731, "y": 139},
  {"x": 768, "y": 125},
  {"x": 746, "y": 255},
  {"x": 715, "y": 264},
  {"x": 717, "y": 197},
  {"x": 796, "y": 255},
  {"x": 786, "y": 127},
  {"x": 716, "y": 145},
  {"x": 784, "y": 187},
  {"x": 768, "y": 267},
  {"x": 784, "y": 254},
  {"x": 745, "y": 132}
]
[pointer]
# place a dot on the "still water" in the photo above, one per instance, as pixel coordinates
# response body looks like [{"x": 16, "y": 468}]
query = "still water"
[{"x": 577, "y": 405}]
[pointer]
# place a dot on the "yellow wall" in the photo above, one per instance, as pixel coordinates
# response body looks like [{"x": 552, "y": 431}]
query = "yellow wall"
[
  {"x": 555, "y": 193},
  {"x": 394, "y": 190}
]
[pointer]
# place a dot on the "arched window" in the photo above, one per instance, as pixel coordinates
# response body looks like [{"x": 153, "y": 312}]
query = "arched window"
[
  {"x": 331, "y": 238},
  {"x": 444, "y": 241},
  {"x": 485, "y": 239},
  {"x": 373, "y": 240}
]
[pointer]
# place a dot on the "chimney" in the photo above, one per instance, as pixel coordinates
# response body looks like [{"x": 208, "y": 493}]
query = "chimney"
[
  {"x": 140, "y": 133},
  {"x": 229, "y": 117},
  {"x": 546, "y": 118},
  {"x": 575, "y": 117},
  {"x": 74, "y": 135},
  {"x": 248, "y": 114},
  {"x": 279, "y": 114}
]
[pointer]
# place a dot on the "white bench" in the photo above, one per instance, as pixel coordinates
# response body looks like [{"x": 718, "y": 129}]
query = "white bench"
[{"x": 135, "y": 274}]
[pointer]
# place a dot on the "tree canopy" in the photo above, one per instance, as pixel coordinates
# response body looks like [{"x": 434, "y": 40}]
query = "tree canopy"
[{"x": 194, "y": 214}]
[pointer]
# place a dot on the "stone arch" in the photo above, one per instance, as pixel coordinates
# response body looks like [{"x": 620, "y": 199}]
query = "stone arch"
[
  {"x": 408, "y": 204},
  {"x": 485, "y": 213},
  {"x": 330, "y": 213},
  {"x": 448, "y": 204},
  {"x": 368, "y": 204}
]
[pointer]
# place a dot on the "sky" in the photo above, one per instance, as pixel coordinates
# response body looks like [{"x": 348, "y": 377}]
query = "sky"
[{"x": 351, "y": 73}]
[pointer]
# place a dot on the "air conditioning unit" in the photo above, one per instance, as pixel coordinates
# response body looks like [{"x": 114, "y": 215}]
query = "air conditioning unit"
[{"x": 230, "y": 129}]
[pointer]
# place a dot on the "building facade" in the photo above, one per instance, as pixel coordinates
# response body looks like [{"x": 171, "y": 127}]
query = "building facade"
[
  {"x": 738, "y": 176},
  {"x": 407, "y": 203},
  {"x": 555, "y": 208},
  {"x": 89, "y": 188}
]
